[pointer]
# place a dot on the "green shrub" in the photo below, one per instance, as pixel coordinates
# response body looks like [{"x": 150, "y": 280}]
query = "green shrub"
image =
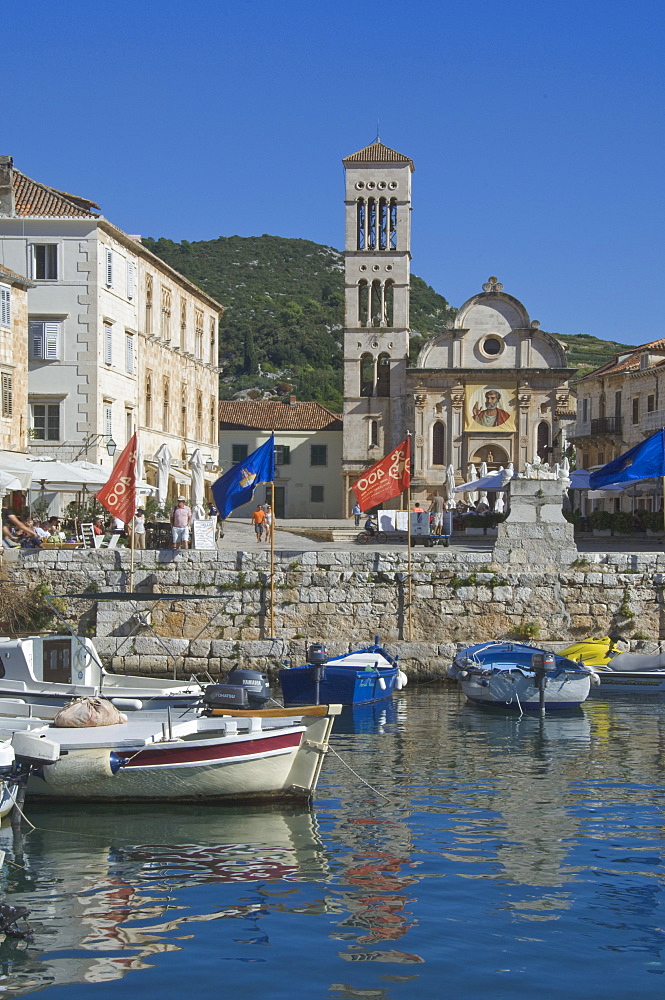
[
  {"x": 601, "y": 520},
  {"x": 526, "y": 630}
]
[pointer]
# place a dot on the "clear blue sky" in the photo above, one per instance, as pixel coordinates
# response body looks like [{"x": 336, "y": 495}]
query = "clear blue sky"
[{"x": 536, "y": 127}]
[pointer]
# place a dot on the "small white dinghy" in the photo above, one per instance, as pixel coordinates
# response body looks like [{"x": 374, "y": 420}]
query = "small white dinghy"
[
  {"x": 53, "y": 669},
  {"x": 519, "y": 677},
  {"x": 238, "y": 756}
]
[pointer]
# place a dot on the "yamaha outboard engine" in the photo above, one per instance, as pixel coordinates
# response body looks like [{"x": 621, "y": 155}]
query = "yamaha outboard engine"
[{"x": 243, "y": 689}]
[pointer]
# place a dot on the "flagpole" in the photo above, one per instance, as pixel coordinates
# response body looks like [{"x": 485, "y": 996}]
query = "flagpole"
[
  {"x": 272, "y": 559},
  {"x": 132, "y": 540},
  {"x": 408, "y": 551}
]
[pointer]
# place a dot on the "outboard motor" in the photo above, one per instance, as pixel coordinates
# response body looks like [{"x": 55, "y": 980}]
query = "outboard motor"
[
  {"x": 317, "y": 654},
  {"x": 254, "y": 683},
  {"x": 317, "y": 657}
]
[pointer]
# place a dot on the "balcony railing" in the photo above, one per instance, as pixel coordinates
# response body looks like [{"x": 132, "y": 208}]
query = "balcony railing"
[
  {"x": 653, "y": 421},
  {"x": 606, "y": 425}
]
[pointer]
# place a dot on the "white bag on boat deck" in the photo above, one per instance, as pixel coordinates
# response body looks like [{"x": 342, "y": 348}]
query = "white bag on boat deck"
[{"x": 84, "y": 712}]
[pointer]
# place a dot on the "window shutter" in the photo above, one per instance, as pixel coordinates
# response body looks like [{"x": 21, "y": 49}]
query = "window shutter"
[
  {"x": 130, "y": 279},
  {"x": 109, "y": 267},
  {"x": 7, "y": 395},
  {"x": 36, "y": 330},
  {"x": 51, "y": 341},
  {"x": 130, "y": 355},
  {"x": 108, "y": 420},
  {"x": 5, "y": 307},
  {"x": 108, "y": 344}
]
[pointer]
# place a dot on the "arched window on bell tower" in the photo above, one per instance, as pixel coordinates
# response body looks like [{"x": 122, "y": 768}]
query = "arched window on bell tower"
[
  {"x": 366, "y": 375},
  {"x": 389, "y": 303},
  {"x": 383, "y": 375},
  {"x": 393, "y": 223},
  {"x": 383, "y": 224},
  {"x": 438, "y": 443},
  {"x": 371, "y": 224},
  {"x": 376, "y": 304},
  {"x": 360, "y": 224},
  {"x": 363, "y": 303}
]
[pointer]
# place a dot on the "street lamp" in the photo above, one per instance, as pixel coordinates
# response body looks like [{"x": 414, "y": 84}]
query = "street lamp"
[
  {"x": 210, "y": 465},
  {"x": 111, "y": 447},
  {"x": 91, "y": 439}
]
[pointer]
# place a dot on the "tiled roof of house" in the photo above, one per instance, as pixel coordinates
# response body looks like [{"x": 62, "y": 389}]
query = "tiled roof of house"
[
  {"x": 12, "y": 276},
  {"x": 376, "y": 152},
  {"x": 271, "y": 415},
  {"x": 38, "y": 200},
  {"x": 632, "y": 361}
]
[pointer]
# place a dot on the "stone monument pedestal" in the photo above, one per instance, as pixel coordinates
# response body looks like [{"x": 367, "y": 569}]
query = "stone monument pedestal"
[{"x": 535, "y": 533}]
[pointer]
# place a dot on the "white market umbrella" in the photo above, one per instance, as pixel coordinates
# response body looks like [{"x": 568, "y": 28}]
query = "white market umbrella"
[
  {"x": 482, "y": 496},
  {"x": 164, "y": 458},
  {"x": 197, "y": 465},
  {"x": 8, "y": 481},
  {"x": 450, "y": 487},
  {"x": 471, "y": 477},
  {"x": 68, "y": 477},
  {"x": 19, "y": 466},
  {"x": 499, "y": 504},
  {"x": 140, "y": 469}
]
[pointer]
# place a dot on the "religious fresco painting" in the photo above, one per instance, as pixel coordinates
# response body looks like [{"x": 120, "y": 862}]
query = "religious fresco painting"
[{"x": 489, "y": 407}]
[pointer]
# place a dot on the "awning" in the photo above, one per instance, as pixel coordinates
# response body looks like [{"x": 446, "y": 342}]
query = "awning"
[
  {"x": 180, "y": 476},
  {"x": 18, "y": 465}
]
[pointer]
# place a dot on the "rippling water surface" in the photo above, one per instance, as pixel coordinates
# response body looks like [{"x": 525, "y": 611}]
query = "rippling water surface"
[{"x": 452, "y": 853}]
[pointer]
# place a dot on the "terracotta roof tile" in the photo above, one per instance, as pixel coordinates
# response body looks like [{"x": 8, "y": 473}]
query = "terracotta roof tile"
[
  {"x": 376, "y": 152},
  {"x": 628, "y": 363},
  {"x": 10, "y": 275},
  {"x": 271, "y": 415},
  {"x": 38, "y": 200}
]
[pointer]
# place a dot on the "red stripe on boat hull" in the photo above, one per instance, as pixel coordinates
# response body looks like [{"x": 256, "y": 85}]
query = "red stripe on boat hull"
[{"x": 184, "y": 753}]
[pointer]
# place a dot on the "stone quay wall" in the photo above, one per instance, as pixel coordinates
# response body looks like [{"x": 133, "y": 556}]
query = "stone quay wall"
[{"x": 343, "y": 598}]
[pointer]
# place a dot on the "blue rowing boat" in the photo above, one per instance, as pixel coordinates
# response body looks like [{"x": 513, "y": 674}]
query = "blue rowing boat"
[{"x": 357, "y": 678}]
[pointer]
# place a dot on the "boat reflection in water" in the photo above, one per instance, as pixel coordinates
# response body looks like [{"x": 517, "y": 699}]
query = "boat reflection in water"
[
  {"x": 100, "y": 885},
  {"x": 375, "y": 717}
]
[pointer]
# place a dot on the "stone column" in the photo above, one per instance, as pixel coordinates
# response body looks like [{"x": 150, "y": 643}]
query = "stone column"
[{"x": 535, "y": 532}]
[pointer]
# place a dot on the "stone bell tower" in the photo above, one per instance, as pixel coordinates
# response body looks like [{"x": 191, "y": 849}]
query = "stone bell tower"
[{"x": 377, "y": 258}]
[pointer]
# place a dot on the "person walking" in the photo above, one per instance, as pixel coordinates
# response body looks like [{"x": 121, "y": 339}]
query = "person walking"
[
  {"x": 181, "y": 518},
  {"x": 139, "y": 528},
  {"x": 268, "y": 523},
  {"x": 436, "y": 509},
  {"x": 356, "y": 511},
  {"x": 258, "y": 517}
]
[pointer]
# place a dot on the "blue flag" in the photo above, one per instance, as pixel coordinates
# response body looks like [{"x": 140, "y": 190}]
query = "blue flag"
[
  {"x": 644, "y": 461},
  {"x": 237, "y": 485}
]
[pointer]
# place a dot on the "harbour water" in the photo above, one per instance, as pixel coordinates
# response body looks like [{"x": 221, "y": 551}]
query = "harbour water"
[{"x": 452, "y": 853}]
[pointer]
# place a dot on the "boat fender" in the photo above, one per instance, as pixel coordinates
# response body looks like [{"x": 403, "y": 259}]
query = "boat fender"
[
  {"x": 127, "y": 704},
  {"x": 117, "y": 762},
  {"x": 80, "y": 768},
  {"x": 402, "y": 680},
  {"x": 382, "y": 683},
  {"x": 595, "y": 679}
]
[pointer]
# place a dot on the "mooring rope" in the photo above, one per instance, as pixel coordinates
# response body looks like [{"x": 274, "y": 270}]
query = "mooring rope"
[{"x": 359, "y": 776}]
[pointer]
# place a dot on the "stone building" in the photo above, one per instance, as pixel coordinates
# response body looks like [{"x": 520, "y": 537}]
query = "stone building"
[
  {"x": 119, "y": 341},
  {"x": 13, "y": 360},
  {"x": 308, "y": 453},
  {"x": 492, "y": 389},
  {"x": 620, "y": 404}
]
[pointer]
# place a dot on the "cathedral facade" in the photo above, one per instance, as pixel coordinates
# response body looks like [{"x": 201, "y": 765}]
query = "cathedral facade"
[{"x": 493, "y": 388}]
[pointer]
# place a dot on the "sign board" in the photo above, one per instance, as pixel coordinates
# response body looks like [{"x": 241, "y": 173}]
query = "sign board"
[
  {"x": 203, "y": 532},
  {"x": 392, "y": 520},
  {"x": 420, "y": 524}
]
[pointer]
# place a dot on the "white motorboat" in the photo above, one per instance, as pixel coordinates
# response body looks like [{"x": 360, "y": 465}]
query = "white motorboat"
[
  {"x": 236, "y": 757},
  {"x": 620, "y": 672},
  {"x": 520, "y": 677},
  {"x": 53, "y": 669}
]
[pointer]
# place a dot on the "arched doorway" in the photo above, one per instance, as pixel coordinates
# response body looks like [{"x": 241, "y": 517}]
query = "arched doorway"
[{"x": 493, "y": 454}]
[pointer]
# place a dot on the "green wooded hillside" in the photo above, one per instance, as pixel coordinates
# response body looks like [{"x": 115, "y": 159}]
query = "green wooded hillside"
[{"x": 284, "y": 313}]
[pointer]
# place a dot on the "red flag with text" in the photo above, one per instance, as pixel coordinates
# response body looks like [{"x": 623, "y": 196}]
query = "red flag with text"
[
  {"x": 388, "y": 478},
  {"x": 119, "y": 494}
]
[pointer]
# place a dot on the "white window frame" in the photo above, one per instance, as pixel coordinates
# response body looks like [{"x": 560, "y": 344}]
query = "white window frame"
[
  {"x": 54, "y": 261},
  {"x": 129, "y": 353},
  {"x": 131, "y": 279},
  {"x": 108, "y": 343},
  {"x": 108, "y": 267},
  {"x": 46, "y": 403},
  {"x": 5, "y": 305},
  {"x": 45, "y": 339}
]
